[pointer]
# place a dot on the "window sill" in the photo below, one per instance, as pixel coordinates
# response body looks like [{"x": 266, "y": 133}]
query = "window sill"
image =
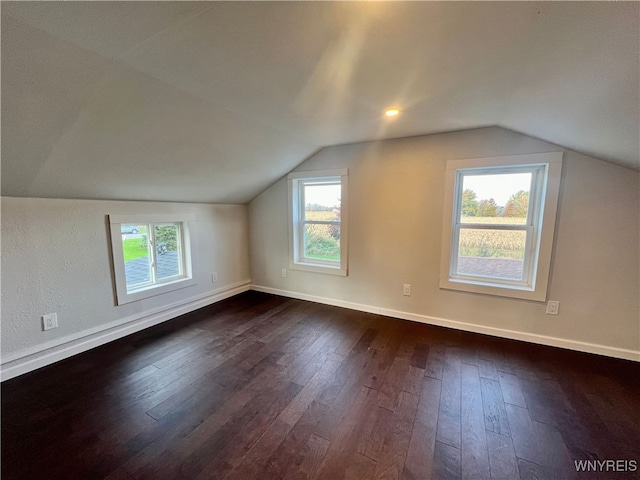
[
  {"x": 153, "y": 290},
  {"x": 318, "y": 268},
  {"x": 486, "y": 288}
]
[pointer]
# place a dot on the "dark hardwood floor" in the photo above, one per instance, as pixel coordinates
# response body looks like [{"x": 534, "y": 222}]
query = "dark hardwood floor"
[{"x": 264, "y": 387}]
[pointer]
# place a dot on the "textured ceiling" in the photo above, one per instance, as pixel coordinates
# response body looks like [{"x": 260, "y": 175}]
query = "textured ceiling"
[{"x": 212, "y": 102}]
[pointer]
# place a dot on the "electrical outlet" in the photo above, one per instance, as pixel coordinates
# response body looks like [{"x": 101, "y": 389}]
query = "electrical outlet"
[
  {"x": 284, "y": 273},
  {"x": 214, "y": 277},
  {"x": 49, "y": 321},
  {"x": 553, "y": 307},
  {"x": 406, "y": 289}
]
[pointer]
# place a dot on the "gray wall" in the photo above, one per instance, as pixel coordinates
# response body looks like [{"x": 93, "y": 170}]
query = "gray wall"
[
  {"x": 56, "y": 258},
  {"x": 396, "y": 191}
]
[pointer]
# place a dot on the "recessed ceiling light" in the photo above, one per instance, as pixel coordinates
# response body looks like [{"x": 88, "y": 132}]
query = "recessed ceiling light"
[{"x": 392, "y": 112}]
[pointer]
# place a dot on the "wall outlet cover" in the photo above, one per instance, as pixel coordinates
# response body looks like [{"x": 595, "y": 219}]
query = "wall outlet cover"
[
  {"x": 553, "y": 307},
  {"x": 49, "y": 321}
]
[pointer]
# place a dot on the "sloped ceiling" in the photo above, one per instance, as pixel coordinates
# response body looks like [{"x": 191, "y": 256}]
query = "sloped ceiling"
[{"x": 212, "y": 102}]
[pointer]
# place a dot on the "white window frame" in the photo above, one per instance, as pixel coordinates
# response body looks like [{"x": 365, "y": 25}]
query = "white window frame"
[
  {"x": 546, "y": 169},
  {"x": 155, "y": 286},
  {"x": 296, "y": 183}
]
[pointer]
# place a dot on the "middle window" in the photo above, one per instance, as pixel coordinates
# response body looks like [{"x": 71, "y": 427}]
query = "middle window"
[{"x": 317, "y": 202}]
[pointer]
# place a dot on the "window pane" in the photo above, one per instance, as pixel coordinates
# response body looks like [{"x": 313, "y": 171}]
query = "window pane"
[
  {"x": 322, "y": 242},
  {"x": 501, "y": 198},
  {"x": 135, "y": 247},
  {"x": 322, "y": 202},
  {"x": 168, "y": 258},
  {"x": 491, "y": 253},
  {"x": 132, "y": 229}
]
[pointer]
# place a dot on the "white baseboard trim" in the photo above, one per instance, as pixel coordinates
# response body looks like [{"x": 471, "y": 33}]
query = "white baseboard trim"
[
  {"x": 33, "y": 358},
  {"x": 468, "y": 327}
]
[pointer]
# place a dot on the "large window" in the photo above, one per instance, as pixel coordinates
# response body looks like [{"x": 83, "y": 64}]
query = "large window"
[
  {"x": 499, "y": 220},
  {"x": 317, "y": 221},
  {"x": 151, "y": 254}
]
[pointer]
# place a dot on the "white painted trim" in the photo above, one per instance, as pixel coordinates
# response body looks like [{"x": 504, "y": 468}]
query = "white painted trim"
[
  {"x": 152, "y": 218},
  {"x": 50, "y": 352},
  {"x": 546, "y": 190},
  {"x": 295, "y": 208},
  {"x": 334, "y": 172},
  {"x": 467, "y": 327},
  {"x": 186, "y": 222}
]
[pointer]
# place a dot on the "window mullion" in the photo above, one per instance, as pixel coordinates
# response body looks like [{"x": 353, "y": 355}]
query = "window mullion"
[
  {"x": 320, "y": 222},
  {"x": 493, "y": 226},
  {"x": 455, "y": 247},
  {"x": 534, "y": 196},
  {"x": 180, "y": 238},
  {"x": 152, "y": 253},
  {"x": 299, "y": 226},
  {"x": 530, "y": 257}
]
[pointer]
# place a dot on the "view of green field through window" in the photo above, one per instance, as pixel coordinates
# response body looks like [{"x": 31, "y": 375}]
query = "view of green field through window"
[
  {"x": 138, "y": 258},
  {"x": 322, "y": 207},
  {"x": 496, "y": 199}
]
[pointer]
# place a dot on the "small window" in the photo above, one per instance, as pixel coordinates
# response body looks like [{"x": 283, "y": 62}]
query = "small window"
[
  {"x": 500, "y": 215},
  {"x": 151, "y": 255},
  {"x": 317, "y": 221}
]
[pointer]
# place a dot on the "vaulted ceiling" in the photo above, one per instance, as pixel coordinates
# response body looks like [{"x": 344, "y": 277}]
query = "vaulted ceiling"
[{"x": 214, "y": 101}]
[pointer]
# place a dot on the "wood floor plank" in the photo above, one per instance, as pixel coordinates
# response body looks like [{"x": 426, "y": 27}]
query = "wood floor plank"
[
  {"x": 624, "y": 425},
  {"x": 474, "y": 453},
  {"x": 236, "y": 404},
  {"x": 446, "y": 462},
  {"x": 532, "y": 471},
  {"x": 400, "y": 376},
  {"x": 229, "y": 445},
  {"x": 382, "y": 340},
  {"x": 419, "y": 461},
  {"x": 314, "y": 451},
  {"x": 258, "y": 454},
  {"x": 351, "y": 370},
  {"x": 539, "y": 395},
  {"x": 331, "y": 420},
  {"x": 308, "y": 361},
  {"x": 343, "y": 447},
  {"x": 349, "y": 340},
  {"x": 395, "y": 445},
  {"x": 511, "y": 391},
  {"x": 596, "y": 429},
  {"x": 555, "y": 454},
  {"x": 261, "y": 386},
  {"x": 176, "y": 424},
  {"x": 359, "y": 467},
  {"x": 487, "y": 369},
  {"x": 525, "y": 439},
  {"x": 449, "y": 421},
  {"x": 165, "y": 407},
  {"x": 420, "y": 356},
  {"x": 495, "y": 414},
  {"x": 292, "y": 413},
  {"x": 118, "y": 474},
  {"x": 195, "y": 347},
  {"x": 502, "y": 457},
  {"x": 382, "y": 360},
  {"x": 413, "y": 380},
  {"x": 372, "y": 440},
  {"x": 435, "y": 361},
  {"x": 290, "y": 459}
]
